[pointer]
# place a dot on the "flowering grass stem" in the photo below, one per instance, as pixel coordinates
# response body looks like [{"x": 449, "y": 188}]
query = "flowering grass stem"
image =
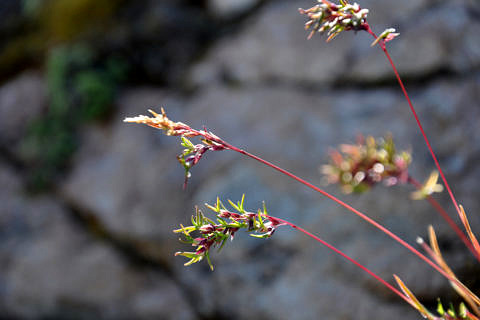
[
  {"x": 332, "y": 19},
  {"x": 347, "y": 206},
  {"x": 344, "y": 255},
  {"x": 210, "y": 141},
  {"x": 446, "y": 217},
  {"x": 417, "y": 119}
]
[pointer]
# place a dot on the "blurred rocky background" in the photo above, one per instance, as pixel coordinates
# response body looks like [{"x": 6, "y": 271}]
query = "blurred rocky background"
[{"x": 87, "y": 203}]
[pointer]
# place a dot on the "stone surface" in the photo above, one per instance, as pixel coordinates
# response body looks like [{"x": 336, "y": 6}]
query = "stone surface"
[
  {"x": 22, "y": 99},
  {"x": 266, "y": 89},
  {"x": 10, "y": 14},
  {"x": 445, "y": 31},
  {"x": 51, "y": 267},
  {"x": 128, "y": 177},
  {"x": 273, "y": 48},
  {"x": 229, "y": 8},
  {"x": 159, "y": 39}
]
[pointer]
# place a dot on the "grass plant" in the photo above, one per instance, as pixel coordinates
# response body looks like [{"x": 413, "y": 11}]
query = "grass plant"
[{"x": 355, "y": 167}]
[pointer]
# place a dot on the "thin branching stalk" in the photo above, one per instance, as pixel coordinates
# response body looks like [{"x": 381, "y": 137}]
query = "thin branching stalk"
[
  {"x": 434, "y": 251},
  {"x": 347, "y": 206},
  {"x": 417, "y": 119},
  {"x": 434, "y": 203},
  {"x": 344, "y": 255},
  {"x": 215, "y": 143},
  {"x": 472, "y": 316},
  {"x": 206, "y": 234},
  {"x": 334, "y": 19}
]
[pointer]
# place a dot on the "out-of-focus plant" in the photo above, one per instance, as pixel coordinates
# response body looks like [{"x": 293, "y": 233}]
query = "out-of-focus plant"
[{"x": 355, "y": 167}]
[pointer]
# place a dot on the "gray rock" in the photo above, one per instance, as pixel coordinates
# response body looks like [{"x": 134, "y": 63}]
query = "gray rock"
[
  {"x": 160, "y": 39},
  {"x": 446, "y": 44},
  {"x": 51, "y": 267},
  {"x": 273, "y": 47},
  {"x": 128, "y": 177},
  {"x": 271, "y": 51},
  {"x": 10, "y": 15},
  {"x": 22, "y": 99},
  {"x": 386, "y": 13},
  {"x": 229, "y": 8}
]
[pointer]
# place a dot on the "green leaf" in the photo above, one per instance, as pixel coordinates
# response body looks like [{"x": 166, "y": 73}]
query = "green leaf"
[
  {"x": 212, "y": 208},
  {"x": 440, "y": 309},
  {"x": 184, "y": 230},
  {"x": 193, "y": 256},
  {"x": 189, "y": 255},
  {"x": 221, "y": 205},
  {"x": 234, "y": 205},
  {"x": 241, "y": 203},
  {"x": 187, "y": 143},
  {"x": 261, "y": 236},
  {"x": 462, "y": 310},
  {"x": 199, "y": 216},
  {"x": 188, "y": 241},
  {"x": 260, "y": 219},
  {"x": 223, "y": 243},
  {"x": 207, "y": 254},
  {"x": 208, "y": 220},
  {"x": 265, "y": 209},
  {"x": 451, "y": 310}
]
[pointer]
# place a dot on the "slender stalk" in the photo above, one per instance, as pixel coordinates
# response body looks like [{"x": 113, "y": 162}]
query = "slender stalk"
[
  {"x": 352, "y": 209},
  {"x": 360, "y": 214},
  {"x": 417, "y": 119},
  {"x": 344, "y": 255},
  {"x": 470, "y": 315},
  {"x": 462, "y": 290},
  {"x": 160, "y": 121},
  {"x": 447, "y": 218}
]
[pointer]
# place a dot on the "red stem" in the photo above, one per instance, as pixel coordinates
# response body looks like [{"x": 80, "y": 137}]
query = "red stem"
[
  {"x": 447, "y": 218},
  {"x": 417, "y": 119},
  {"x": 360, "y": 214},
  {"x": 355, "y": 262},
  {"x": 340, "y": 202}
]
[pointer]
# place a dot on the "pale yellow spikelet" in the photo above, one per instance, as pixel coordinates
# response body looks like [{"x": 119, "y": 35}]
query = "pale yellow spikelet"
[
  {"x": 160, "y": 121},
  {"x": 429, "y": 187}
]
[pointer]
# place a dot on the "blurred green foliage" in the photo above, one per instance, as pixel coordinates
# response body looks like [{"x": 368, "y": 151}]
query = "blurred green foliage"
[{"x": 81, "y": 88}]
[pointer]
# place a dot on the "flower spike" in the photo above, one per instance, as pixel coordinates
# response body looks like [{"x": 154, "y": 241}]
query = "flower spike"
[
  {"x": 357, "y": 167},
  {"x": 215, "y": 234},
  {"x": 386, "y": 36},
  {"x": 429, "y": 187},
  {"x": 192, "y": 153},
  {"x": 334, "y": 18}
]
